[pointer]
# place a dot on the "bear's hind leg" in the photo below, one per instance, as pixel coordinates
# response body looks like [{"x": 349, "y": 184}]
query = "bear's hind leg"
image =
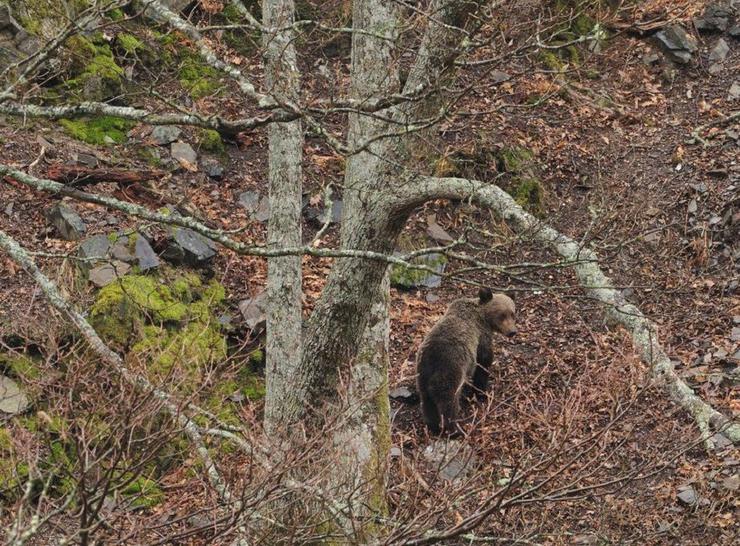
[{"x": 430, "y": 412}]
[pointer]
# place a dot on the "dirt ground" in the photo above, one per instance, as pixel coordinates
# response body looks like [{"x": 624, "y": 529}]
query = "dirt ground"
[{"x": 609, "y": 141}]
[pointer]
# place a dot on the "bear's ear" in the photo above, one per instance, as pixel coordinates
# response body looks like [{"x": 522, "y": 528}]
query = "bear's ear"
[{"x": 485, "y": 295}]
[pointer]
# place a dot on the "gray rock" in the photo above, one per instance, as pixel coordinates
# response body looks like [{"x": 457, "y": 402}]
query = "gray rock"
[
  {"x": 715, "y": 69},
  {"x": 94, "y": 249},
  {"x": 336, "y": 213},
  {"x": 120, "y": 250},
  {"x": 676, "y": 43},
  {"x": 87, "y": 159},
  {"x": 165, "y": 134},
  {"x": 249, "y": 200},
  {"x": 650, "y": 58},
  {"x": 499, "y": 76},
  {"x": 253, "y": 310},
  {"x": 105, "y": 274},
  {"x": 715, "y": 18},
  {"x": 263, "y": 210},
  {"x": 66, "y": 221},
  {"x": 692, "y": 206},
  {"x": 734, "y": 93},
  {"x": 453, "y": 459},
  {"x": 402, "y": 277},
  {"x": 184, "y": 154},
  {"x": 395, "y": 452},
  {"x": 719, "y": 51},
  {"x": 12, "y": 399},
  {"x": 401, "y": 393},
  {"x": 148, "y": 259},
  {"x": 189, "y": 247},
  {"x": 212, "y": 168},
  {"x": 687, "y": 495},
  {"x": 735, "y": 334},
  {"x": 437, "y": 232},
  {"x": 734, "y": 32}
]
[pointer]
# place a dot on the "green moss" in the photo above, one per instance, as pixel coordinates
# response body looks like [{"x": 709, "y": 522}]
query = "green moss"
[
  {"x": 515, "y": 159},
  {"x": 94, "y": 71},
  {"x": 210, "y": 141},
  {"x": 122, "y": 306},
  {"x": 550, "y": 60},
  {"x": 192, "y": 347},
  {"x": 129, "y": 43},
  {"x": 257, "y": 357},
  {"x": 198, "y": 79},
  {"x": 143, "y": 492},
  {"x": 408, "y": 277},
  {"x": 582, "y": 25},
  {"x": 529, "y": 193},
  {"x": 6, "y": 441},
  {"x": 100, "y": 130},
  {"x": 116, "y": 14},
  {"x": 20, "y": 366}
]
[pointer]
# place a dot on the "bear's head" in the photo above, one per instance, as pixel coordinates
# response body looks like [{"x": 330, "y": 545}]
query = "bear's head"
[{"x": 498, "y": 311}]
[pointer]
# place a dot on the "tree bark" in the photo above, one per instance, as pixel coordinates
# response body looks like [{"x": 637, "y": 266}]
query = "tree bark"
[{"x": 284, "y": 311}]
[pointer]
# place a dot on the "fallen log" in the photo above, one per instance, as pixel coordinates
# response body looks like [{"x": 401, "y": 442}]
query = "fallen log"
[{"x": 78, "y": 175}]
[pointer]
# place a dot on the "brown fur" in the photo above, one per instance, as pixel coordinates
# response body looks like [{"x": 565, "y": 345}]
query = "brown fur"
[{"x": 458, "y": 350}]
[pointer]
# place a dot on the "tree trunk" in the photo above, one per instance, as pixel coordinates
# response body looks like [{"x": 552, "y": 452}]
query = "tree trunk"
[{"x": 284, "y": 313}]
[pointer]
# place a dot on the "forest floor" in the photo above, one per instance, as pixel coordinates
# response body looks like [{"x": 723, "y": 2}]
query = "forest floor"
[{"x": 608, "y": 139}]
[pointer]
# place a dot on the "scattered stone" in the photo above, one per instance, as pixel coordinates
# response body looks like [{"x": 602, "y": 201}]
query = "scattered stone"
[
  {"x": 107, "y": 139},
  {"x": 734, "y": 93},
  {"x": 650, "y": 58},
  {"x": 237, "y": 396},
  {"x": 212, "y": 168},
  {"x": 692, "y": 206},
  {"x": 189, "y": 247},
  {"x": 407, "y": 278},
  {"x": 437, "y": 232},
  {"x": 734, "y": 32},
  {"x": 735, "y": 334},
  {"x": 336, "y": 213},
  {"x": 263, "y": 210},
  {"x": 120, "y": 250},
  {"x": 432, "y": 298},
  {"x": 721, "y": 441},
  {"x": 87, "y": 160},
  {"x": 687, "y": 495},
  {"x": 732, "y": 483},
  {"x": 736, "y": 319},
  {"x": 715, "y": 18},
  {"x": 404, "y": 394},
  {"x": 12, "y": 399},
  {"x": 66, "y": 221},
  {"x": 94, "y": 249},
  {"x": 105, "y": 274},
  {"x": 253, "y": 310},
  {"x": 499, "y": 76},
  {"x": 701, "y": 187},
  {"x": 715, "y": 69},
  {"x": 395, "y": 452},
  {"x": 678, "y": 45},
  {"x": 165, "y": 134},
  {"x": 148, "y": 259},
  {"x": 249, "y": 200},
  {"x": 719, "y": 51},
  {"x": 8, "y": 210},
  {"x": 184, "y": 154},
  {"x": 453, "y": 460}
]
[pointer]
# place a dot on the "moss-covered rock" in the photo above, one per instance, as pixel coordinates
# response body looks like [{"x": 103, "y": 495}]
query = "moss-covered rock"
[
  {"x": 94, "y": 73},
  {"x": 197, "y": 78},
  {"x": 210, "y": 141},
  {"x": 100, "y": 130},
  {"x": 143, "y": 493},
  {"x": 122, "y": 308},
  {"x": 529, "y": 193},
  {"x": 20, "y": 366}
]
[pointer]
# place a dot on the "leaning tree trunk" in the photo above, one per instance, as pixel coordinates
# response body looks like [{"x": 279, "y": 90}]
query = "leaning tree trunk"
[{"x": 283, "y": 350}]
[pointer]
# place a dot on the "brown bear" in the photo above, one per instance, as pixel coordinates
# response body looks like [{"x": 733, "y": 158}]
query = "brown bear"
[{"x": 458, "y": 350}]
